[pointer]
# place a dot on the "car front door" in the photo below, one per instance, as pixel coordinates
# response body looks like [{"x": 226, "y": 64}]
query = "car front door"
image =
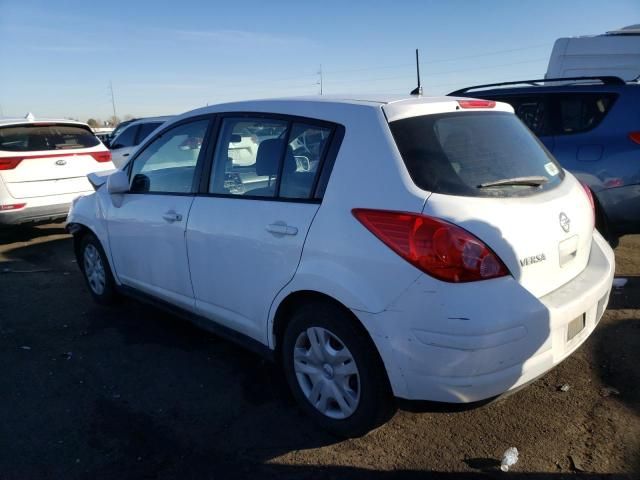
[
  {"x": 147, "y": 228},
  {"x": 245, "y": 235}
]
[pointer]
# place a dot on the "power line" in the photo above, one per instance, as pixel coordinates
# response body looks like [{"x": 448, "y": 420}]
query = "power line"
[{"x": 443, "y": 60}]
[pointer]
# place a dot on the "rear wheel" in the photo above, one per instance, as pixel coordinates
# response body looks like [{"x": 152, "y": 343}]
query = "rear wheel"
[
  {"x": 95, "y": 268},
  {"x": 603, "y": 226},
  {"x": 334, "y": 371}
]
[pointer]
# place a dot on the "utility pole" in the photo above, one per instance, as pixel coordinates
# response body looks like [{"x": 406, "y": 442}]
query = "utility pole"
[
  {"x": 113, "y": 101},
  {"x": 321, "y": 79}
]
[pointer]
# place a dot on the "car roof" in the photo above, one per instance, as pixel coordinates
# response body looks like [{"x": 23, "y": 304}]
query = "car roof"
[
  {"x": 326, "y": 106},
  {"x": 6, "y": 121},
  {"x": 163, "y": 118}
]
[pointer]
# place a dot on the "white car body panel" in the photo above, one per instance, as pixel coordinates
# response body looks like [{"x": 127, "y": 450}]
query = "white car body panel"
[
  {"x": 454, "y": 342},
  {"x": 148, "y": 252},
  {"x": 120, "y": 156},
  {"x": 255, "y": 260}
]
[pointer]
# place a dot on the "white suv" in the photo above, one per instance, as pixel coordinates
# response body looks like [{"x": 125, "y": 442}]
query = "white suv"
[
  {"x": 427, "y": 248},
  {"x": 44, "y": 165}
]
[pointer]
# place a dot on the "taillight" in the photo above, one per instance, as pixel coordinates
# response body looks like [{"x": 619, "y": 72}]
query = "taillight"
[
  {"x": 587, "y": 191},
  {"x": 101, "y": 157},
  {"x": 476, "y": 103},
  {"x": 12, "y": 206},
  {"x": 438, "y": 248},
  {"x": 635, "y": 137},
  {"x": 9, "y": 163}
]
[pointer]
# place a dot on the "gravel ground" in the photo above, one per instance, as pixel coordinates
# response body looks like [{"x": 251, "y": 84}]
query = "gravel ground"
[{"x": 131, "y": 392}]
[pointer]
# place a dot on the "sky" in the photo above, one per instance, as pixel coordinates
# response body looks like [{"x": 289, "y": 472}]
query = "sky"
[{"x": 60, "y": 57}]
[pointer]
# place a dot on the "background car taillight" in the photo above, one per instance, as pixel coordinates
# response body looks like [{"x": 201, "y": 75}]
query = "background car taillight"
[
  {"x": 587, "y": 191},
  {"x": 101, "y": 157},
  {"x": 9, "y": 163},
  {"x": 12, "y": 206},
  {"x": 438, "y": 248},
  {"x": 635, "y": 137}
]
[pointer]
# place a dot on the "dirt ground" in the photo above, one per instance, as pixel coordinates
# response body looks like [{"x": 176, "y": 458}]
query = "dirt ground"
[{"x": 131, "y": 392}]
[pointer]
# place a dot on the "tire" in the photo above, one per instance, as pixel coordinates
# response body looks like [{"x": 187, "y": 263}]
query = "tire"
[
  {"x": 338, "y": 377},
  {"x": 603, "y": 226},
  {"x": 96, "y": 271}
]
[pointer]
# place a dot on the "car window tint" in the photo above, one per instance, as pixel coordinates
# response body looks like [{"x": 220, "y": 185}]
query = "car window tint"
[
  {"x": 127, "y": 138},
  {"x": 248, "y": 156},
  {"x": 582, "y": 112},
  {"x": 306, "y": 147},
  {"x": 532, "y": 110},
  {"x": 146, "y": 129},
  {"x": 458, "y": 153},
  {"x": 26, "y": 138},
  {"x": 167, "y": 165}
]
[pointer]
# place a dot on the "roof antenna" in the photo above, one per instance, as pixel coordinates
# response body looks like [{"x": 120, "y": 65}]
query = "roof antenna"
[{"x": 418, "y": 89}]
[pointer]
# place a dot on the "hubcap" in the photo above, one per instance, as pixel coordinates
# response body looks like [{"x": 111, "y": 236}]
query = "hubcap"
[
  {"x": 327, "y": 373},
  {"x": 94, "y": 269}
]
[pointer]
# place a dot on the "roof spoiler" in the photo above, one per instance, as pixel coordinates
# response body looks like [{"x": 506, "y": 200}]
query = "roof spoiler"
[{"x": 605, "y": 80}]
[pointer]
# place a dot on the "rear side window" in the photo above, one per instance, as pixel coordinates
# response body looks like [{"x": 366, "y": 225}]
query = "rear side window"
[
  {"x": 582, "y": 112},
  {"x": 476, "y": 154},
  {"x": 28, "y": 138},
  {"x": 271, "y": 158}
]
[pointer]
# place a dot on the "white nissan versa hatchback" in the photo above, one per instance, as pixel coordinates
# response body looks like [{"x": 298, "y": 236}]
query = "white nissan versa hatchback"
[
  {"x": 423, "y": 248},
  {"x": 44, "y": 165}
]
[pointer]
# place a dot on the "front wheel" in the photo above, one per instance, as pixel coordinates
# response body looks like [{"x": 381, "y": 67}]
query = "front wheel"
[
  {"x": 95, "y": 268},
  {"x": 334, "y": 371}
]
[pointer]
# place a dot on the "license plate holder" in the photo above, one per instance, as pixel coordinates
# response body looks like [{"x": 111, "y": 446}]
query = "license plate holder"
[{"x": 575, "y": 327}]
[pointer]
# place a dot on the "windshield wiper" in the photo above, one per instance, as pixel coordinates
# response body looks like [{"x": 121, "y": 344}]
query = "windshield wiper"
[{"x": 533, "y": 181}]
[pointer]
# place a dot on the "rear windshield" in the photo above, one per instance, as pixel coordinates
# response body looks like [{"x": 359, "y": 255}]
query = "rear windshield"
[
  {"x": 29, "y": 138},
  {"x": 476, "y": 154}
]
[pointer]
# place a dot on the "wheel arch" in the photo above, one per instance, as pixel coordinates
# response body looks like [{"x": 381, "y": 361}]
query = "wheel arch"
[{"x": 297, "y": 298}]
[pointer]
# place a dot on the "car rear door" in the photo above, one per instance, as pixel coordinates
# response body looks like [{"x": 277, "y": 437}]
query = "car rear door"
[
  {"x": 245, "y": 238},
  {"x": 40, "y": 159},
  {"x": 147, "y": 225},
  {"x": 580, "y": 143}
]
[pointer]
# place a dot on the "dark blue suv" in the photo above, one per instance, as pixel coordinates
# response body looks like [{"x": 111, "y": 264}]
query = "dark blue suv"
[{"x": 591, "y": 125}]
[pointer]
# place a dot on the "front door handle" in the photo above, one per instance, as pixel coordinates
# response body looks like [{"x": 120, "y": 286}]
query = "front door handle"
[
  {"x": 172, "y": 216},
  {"x": 281, "y": 228}
]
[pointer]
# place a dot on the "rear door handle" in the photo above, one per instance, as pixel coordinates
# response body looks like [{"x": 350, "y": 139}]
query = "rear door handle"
[
  {"x": 172, "y": 216},
  {"x": 282, "y": 229},
  {"x": 125, "y": 154}
]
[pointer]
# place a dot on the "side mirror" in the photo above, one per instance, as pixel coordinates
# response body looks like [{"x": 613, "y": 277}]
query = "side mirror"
[{"x": 118, "y": 182}]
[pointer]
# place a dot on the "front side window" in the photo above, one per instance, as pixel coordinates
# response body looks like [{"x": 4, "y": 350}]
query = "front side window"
[
  {"x": 126, "y": 138},
  {"x": 146, "y": 129},
  {"x": 168, "y": 164},
  {"x": 267, "y": 158},
  {"x": 476, "y": 154},
  {"x": 29, "y": 138}
]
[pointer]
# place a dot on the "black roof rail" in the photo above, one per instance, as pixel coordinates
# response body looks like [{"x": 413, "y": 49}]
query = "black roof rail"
[{"x": 606, "y": 80}]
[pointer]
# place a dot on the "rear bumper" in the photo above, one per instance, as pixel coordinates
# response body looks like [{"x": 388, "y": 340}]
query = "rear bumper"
[
  {"x": 471, "y": 342},
  {"x": 34, "y": 214}
]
